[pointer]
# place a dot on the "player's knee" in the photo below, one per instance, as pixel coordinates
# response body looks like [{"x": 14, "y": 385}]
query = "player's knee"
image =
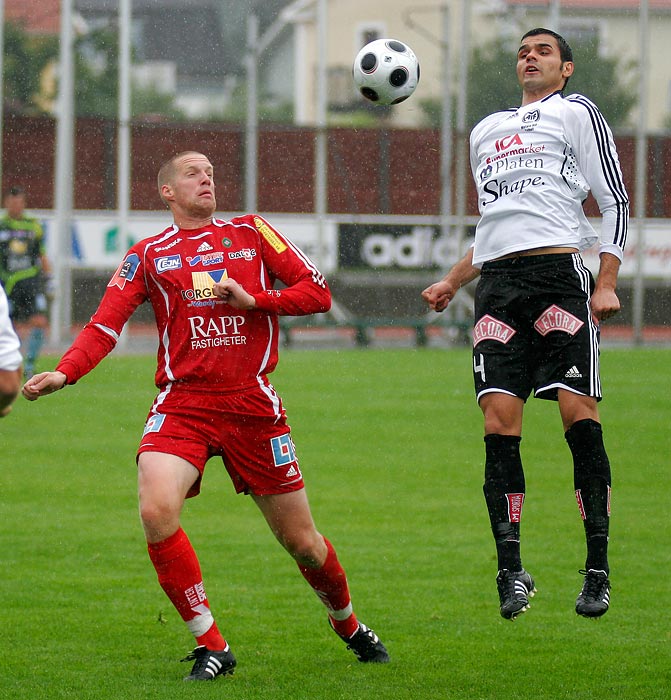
[
  {"x": 306, "y": 547},
  {"x": 158, "y": 515},
  {"x": 502, "y": 414}
]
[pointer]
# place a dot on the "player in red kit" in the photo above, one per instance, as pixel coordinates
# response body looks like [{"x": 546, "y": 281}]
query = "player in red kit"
[{"x": 211, "y": 285}]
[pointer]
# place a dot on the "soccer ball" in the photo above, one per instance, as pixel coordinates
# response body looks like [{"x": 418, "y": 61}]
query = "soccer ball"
[{"x": 386, "y": 71}]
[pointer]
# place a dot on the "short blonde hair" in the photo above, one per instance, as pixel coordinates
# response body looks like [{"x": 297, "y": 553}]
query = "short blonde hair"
[{"x": 166, "y": 172}]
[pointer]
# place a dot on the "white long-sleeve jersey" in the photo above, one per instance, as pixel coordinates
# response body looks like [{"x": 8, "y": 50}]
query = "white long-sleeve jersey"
[{"x": 533, "y": 168}]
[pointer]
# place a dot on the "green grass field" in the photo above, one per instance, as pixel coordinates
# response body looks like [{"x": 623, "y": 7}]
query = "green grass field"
[{"x": 390, "y": 443}]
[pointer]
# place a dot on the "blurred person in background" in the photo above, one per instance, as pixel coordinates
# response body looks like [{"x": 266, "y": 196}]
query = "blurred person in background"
[{"x": 24, "y": 273}]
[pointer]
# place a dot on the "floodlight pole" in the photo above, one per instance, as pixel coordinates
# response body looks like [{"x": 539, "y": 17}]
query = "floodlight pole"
[
  {"x": 124, "y": 106},
  {"x": 463, "y": 169},
  {"x": 125, "y": 19},
  {"x": 61, "y": 310},
  {"x": 252, "y": 122},
  {"x": 554, "y": 19},
  {"x": 321, "y": 145},
  {"x": 446, "y": 140},
  {"x": 2, "y": 92},
  {"x": 446, "y": 136},
  {"x": 256, "y": 45},
  {"x": 641, "y": 171}
]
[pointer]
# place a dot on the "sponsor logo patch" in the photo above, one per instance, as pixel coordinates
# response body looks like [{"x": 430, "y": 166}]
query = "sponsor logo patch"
[
  {"x": 172, "y": 244},
  {"x": 202, "y": 285},
  {"x": 554, "y": 318},
  {"x": 125, "y": 272},
  {"x": 206, "y": 259},
  {"x": 273, "y": 239},
  {"x": 244, "y": 254},
  {"x": 489, "y": 328},
  {"x": 167, "y": 263},
  {"x": 283, "y": 450},
  {"x": 154, "y": 423},
  {"x": 508, "y": 142},
  {"x": 515, "y": 503}
]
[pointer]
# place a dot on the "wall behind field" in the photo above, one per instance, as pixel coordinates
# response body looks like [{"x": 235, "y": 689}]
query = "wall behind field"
[{"x": 370, "y": 171}]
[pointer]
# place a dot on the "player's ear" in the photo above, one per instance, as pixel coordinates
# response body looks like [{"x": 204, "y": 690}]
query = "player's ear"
[
  {"x": 567, "y": 69},
  {"x": 166, "y": 191}
]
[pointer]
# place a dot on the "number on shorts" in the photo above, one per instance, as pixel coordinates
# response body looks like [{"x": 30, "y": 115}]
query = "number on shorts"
[{"x": 479, "y": 366}]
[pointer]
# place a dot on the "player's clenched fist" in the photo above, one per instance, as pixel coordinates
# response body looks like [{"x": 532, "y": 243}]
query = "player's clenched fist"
[
  {"x": 232, "y": 293},
  {"x": 42, "y": 384}
]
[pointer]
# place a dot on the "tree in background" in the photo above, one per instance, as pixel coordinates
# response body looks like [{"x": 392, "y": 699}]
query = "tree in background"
[
  {"x": 492, "y": 84},
  {"x": 27, "y": 60},
  {"x": 97, "y": 81},
  {"x": 31, "y": 85}
]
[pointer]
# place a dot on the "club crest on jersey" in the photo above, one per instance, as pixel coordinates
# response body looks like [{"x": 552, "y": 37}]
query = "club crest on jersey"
[
  {"x": 554, "y": 318},
  {"x": 530, "y": 119},
  {"x": 126, "y": 271},
  {"x": 489, "y": 328},
  {"x": 167, "y": 263},
  {"x": 273, "y": 239}
]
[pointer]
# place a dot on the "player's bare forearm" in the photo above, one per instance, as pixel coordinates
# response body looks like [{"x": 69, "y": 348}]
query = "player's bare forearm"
[
  {"x": 10, "y": 383},
  {"x": 440, "y": 294},
  {"x": 605, "y": 302},
  {"x": 43, "y": 384}
]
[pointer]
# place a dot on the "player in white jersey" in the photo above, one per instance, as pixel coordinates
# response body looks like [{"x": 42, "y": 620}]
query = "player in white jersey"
[
  {"x": 10, "y": 359},
  {"x": 537, "y": 308}
]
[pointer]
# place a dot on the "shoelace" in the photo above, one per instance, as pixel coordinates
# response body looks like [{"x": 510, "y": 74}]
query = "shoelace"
[
  {"x": 594, "y": 583},
  {"x": 364, "y": 635}
]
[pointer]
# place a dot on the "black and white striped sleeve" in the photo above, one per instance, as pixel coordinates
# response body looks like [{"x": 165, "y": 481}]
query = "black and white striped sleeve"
[{"x": 594, "y": 147}]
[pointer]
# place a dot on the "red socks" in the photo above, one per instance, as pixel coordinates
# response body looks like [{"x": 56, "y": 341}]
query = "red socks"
[
  {"x": 180, "y": 577},
  {"x": 330, "y": 584}
]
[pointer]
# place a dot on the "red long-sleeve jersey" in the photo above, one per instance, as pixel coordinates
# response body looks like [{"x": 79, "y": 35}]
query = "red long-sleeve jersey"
[{"x": 202, "y": 340}]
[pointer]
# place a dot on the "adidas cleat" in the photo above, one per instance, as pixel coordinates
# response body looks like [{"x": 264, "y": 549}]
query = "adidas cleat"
[
  {"x": 594, "y": 598},
  {"x": 367, "y": 646},
  {"x": 515, "y": 589},
  {"x": 210, "y": 664}
]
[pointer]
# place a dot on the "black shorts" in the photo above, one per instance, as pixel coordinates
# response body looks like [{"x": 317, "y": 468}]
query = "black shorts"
[
  {"x": 27, "y": 299},
  {"x": 533, "y": 328}
]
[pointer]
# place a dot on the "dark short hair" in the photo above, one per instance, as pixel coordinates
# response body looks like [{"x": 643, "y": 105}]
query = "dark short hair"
[
  {"x": 15, "y": 191},
  {"x": 565, "y": 51}
]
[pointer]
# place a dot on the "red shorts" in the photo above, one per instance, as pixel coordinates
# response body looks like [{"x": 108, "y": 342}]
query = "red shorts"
[{"x": 248, "y": 430}]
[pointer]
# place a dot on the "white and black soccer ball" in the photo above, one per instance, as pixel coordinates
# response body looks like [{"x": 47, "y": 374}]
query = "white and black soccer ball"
[{"x": 386, "y": 71}]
